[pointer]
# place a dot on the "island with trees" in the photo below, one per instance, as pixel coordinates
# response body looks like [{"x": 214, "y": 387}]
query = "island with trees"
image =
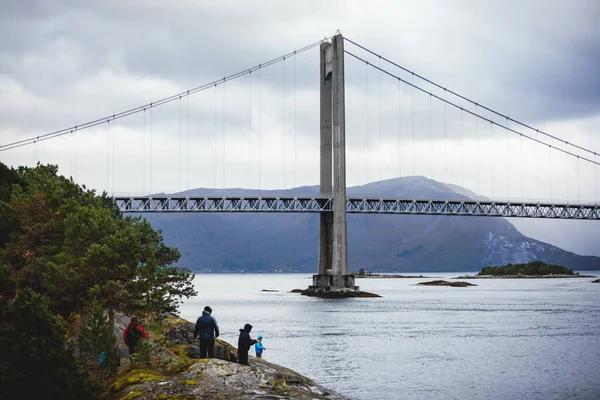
[{"x": 533, "y": 269}]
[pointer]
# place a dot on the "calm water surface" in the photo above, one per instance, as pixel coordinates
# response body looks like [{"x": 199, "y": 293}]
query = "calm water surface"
[{"x": 504, "y": 339}]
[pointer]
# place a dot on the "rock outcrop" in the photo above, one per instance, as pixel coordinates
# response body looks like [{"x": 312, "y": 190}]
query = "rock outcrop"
[
  {"x": 187, "y": 377},
  {"x": 219, "y": 379}
]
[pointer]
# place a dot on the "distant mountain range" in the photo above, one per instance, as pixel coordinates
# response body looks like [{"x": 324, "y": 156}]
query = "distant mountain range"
[{"x": 403, "y": 243}]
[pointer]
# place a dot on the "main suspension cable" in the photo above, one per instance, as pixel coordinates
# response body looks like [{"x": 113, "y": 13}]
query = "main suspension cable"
[
  {"x": 477, "y": 115},
  {"x": 158, "y": 103},
  {"x": 467, "y": 99}
]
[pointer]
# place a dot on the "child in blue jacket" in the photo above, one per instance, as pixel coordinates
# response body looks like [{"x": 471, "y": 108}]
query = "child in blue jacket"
[{"x": 259, "y": 347}]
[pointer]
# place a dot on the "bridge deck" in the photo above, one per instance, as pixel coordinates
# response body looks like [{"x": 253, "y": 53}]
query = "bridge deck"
[{"x": 231, "y": 204}]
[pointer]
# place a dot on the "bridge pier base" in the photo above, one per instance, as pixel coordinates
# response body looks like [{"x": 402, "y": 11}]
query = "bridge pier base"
[{"x": 332, "y": 286}]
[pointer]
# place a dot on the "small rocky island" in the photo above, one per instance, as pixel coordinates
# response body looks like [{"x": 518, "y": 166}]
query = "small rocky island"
[
  {"x": 446, "y": 283},
  {"x": 531, "y": 270},
  {"x": 369, "y": 274}
]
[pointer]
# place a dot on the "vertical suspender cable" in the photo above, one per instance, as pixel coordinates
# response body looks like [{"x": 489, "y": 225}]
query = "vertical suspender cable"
[
  {"x": 577, "y": 171},
  {"x": 76, "y": 151},
  {"x": 445, "y": 141},
  {"x": 114, "y": 154},
  {"x": 259, "y": 124},
  {"x": 187, "y": 147},
  {"x": 179, "y": 143},
  {"x": 522, "y": 170},
  {"x": 368, "y": 130},
  {"x": 413, "y": 124},
  {"x": 295, "y": 140},
  {"x": 567, "y": 174},
  {"x": 250, "y": 131},
  {"x": 150, "y": 149},
  {"x": 550, "y": 169},
  {"x": 430, "y": 139},
  {"x": 537, "y": 158},
  {"x": 477, "y": 150},
  {"x": 492, "y": 155},
  {"x": 223, "y": 135},
  {"x": 107, "y": 154},
  {"x": 380, "y": 137},
  {"x": 71, "y": 154},
  {"x": 144, "y": 153},
  {"x": 75, "y": 156},
  {"x": 508, "y": 164},
  {"x": 215, "y": 143},
  {"x": 462, "y": 152},
  {"x": 399, "y": 130},
  {"x": 284, "y": 120}
]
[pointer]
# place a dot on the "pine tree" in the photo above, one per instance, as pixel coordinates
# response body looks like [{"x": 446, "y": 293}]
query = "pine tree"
[
  {"x": 35, "y": 359},
  {"x": 97, "y": 343}
]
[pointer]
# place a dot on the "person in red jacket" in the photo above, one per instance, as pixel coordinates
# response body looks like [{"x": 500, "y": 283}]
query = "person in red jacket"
[{"x": 133, "y": 334}]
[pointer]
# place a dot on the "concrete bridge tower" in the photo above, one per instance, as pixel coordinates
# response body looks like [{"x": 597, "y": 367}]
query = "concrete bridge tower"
[{"x": 333, "y": 278}]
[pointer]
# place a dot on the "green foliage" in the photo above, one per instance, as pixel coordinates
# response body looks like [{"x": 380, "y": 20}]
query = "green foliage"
[
  {"x": 97, "y": 343},
  {"x": 71, "y": 245},
  {"x": 531, "y": 268},
  {"x": 73, "y": 248},
  {"x": 143, "y": 355},
  {"x": 35, "y": 361}
]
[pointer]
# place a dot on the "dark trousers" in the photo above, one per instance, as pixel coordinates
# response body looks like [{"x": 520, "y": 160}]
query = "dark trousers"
[
  {"x": 132, "y": 349},
  {"x": 207, "y": 346},
  {"x": 243, "y": 357}
]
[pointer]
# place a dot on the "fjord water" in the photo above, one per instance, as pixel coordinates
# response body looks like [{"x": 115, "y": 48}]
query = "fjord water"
[{"x": 503, "y": 339}]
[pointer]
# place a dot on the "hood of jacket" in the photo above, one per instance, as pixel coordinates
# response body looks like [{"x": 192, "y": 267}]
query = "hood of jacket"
[{"x": 247, "y": 328}]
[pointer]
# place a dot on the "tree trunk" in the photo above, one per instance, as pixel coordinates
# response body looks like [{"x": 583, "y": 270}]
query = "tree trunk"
[{"x": 111, "y": 318}]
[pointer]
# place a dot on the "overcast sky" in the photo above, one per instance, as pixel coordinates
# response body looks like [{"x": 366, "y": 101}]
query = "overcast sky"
[{"x": 67, "y": 62}]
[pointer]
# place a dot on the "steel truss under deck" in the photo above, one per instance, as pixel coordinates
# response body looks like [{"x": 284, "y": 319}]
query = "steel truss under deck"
[{"x": 357, "y": 206}]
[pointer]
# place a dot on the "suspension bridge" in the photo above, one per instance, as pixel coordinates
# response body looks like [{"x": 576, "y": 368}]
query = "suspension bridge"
[{"x": 501, "y": 143}]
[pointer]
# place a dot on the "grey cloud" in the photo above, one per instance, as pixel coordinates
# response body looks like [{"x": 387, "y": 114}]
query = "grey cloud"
[{"x": 537, "y": 64}]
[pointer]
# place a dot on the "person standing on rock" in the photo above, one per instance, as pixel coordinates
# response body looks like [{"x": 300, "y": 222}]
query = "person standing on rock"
[
  {"x": 132, "y": 335},
  {"x": 208, "y": 329},
  {"x": 244, "y": 344}
]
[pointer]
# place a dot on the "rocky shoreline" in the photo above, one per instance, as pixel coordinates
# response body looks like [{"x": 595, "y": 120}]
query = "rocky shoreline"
[
  {"x": 183, "y": 375},
  {"x": 522, "y": 276}
]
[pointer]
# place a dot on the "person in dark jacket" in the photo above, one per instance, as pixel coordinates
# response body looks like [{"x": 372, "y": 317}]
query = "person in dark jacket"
[
  {"x": 132, "y": 335},
  {"x": 208, "y": 330},
  {"x": 244, "y": 344}
]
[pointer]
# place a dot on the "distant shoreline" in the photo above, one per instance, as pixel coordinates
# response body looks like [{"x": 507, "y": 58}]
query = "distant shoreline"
[{"x": 522, "y": 276}]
